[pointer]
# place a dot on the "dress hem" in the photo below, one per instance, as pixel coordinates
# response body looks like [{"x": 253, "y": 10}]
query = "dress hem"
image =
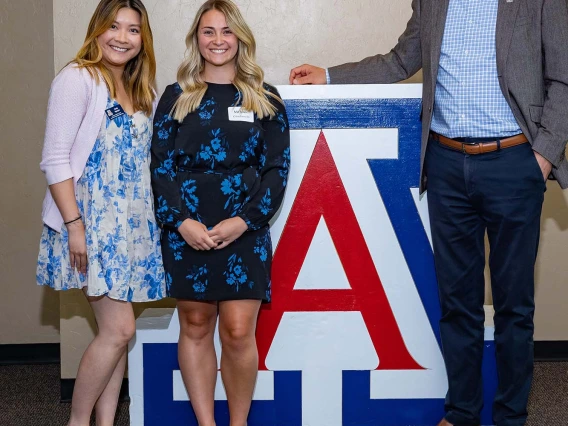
[
  {"x": 103, "y": 294},
  {"x": 219, "y": 299}
]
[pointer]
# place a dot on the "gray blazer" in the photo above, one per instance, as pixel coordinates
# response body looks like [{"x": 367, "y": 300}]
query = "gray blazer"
[{"x": 532, "y": 65}]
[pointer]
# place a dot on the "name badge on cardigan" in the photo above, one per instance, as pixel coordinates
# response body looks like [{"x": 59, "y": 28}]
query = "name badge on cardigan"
[
  {"x": 114, "y": 112},
  {"x": 240, "y": 114}
]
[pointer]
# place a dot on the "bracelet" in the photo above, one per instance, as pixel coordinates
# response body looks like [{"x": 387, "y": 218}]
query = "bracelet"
[{"x": 74, "y": 220}]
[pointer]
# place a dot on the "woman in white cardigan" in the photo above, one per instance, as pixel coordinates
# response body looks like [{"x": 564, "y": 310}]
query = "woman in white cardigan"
[{"x": 100, "y": 232}]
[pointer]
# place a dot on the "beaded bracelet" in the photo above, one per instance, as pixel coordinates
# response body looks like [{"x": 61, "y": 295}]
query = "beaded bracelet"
[{"x": 74, "y": 220}]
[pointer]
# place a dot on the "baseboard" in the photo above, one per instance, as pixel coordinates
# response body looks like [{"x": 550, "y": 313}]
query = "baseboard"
[
  {"x": 35, "y": 353},
  {"x": 49, "y": 353},
  {"x": 67, "y": 386},
  {"x": 549, "y": 350}
]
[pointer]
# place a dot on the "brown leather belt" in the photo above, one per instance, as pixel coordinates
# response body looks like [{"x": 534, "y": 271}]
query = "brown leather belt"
[{"x": 481, "y": 147}]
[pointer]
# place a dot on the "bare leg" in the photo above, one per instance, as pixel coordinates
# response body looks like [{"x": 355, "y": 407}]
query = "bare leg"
[
  {"x": 105, "y": 408},
  {"x": 197, "y": 358},
  {"x": 115, "y": 321},
  {"x": 239, "y": 358}
]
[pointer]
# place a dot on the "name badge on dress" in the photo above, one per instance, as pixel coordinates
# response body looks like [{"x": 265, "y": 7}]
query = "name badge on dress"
[
  {"x": 240, "y": 114},
  {"x": 114, "y": 112}
]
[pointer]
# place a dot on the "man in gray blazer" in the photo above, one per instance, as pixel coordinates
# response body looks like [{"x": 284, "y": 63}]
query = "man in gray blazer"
[{"x": 495, "y": 126}]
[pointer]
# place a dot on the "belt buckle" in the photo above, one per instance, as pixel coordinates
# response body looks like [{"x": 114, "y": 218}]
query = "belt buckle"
[{"x": 467, "y": 143}]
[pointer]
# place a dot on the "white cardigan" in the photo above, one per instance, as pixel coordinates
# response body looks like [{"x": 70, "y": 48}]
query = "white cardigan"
[{"x": 75, "y": 112}]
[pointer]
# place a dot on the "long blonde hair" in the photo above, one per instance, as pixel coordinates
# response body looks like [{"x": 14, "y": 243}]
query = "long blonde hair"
[
  {"x": 249, "y": 77},
  {"x": 139, "y": 74}
]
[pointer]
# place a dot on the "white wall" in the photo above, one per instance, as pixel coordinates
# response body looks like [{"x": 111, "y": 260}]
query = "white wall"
[
  {"x": 288, "y": 32},
  {"x": 27, "y": 314}
]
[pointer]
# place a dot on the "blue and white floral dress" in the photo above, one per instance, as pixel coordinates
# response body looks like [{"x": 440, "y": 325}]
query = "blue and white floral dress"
[
  {"x": 114, "y": 197},
  {"x": 210, "y": 167}
]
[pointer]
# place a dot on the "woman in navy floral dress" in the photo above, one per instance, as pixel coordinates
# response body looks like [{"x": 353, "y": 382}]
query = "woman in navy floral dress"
[
  {"x": 209, "y": 169},
  {"x": 220, "y": 159}
]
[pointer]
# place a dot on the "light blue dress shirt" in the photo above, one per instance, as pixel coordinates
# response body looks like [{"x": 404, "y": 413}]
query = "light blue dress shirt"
[{"x": 468, "y": 101}]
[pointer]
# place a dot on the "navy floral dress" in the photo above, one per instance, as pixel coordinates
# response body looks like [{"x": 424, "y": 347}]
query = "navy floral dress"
[{"x": 209, "y": 168}]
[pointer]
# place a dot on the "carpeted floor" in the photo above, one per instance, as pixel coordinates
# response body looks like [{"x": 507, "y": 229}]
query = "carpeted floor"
[{"x": 29, "y": 396}]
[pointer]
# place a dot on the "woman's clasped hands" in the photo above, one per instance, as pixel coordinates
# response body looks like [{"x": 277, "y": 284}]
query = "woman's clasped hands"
[{"x": 220, "y": 236}]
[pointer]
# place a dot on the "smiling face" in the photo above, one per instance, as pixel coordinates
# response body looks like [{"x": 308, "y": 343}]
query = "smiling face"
[
  {"x": 122, "y": 41},
  {"x": 217, "y": 43}
]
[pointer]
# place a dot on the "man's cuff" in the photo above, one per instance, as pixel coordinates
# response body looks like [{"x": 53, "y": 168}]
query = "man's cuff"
[
  {"x": 553, "y": 152},
  {"x": 327, "y": 79}
]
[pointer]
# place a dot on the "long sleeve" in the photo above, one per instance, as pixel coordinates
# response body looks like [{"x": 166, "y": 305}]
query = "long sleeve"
[
  {"x": 163, "y": 166},
  {"x": 402, "y": 62},
  {"x": 67, "y": 106},
  {"x": 552, "y": 134},
  {"x": 273, "y": 172}
]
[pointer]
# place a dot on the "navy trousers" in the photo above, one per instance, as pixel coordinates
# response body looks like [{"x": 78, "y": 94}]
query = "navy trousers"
[{"x": 500, "y": 193}]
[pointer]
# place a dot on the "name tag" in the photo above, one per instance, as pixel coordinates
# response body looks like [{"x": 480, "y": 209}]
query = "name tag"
[
  {"x": 240, "y": 114},
  {"x": 114, "y": 112}
]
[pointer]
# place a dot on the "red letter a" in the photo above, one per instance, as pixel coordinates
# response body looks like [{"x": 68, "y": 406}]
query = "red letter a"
[{"x": 322, "y": 193}]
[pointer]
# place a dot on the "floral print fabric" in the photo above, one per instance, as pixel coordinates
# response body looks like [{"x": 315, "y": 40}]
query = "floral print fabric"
[
  {"x": 210, "y": 168},
  {"x": 114, "y": 197}
]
